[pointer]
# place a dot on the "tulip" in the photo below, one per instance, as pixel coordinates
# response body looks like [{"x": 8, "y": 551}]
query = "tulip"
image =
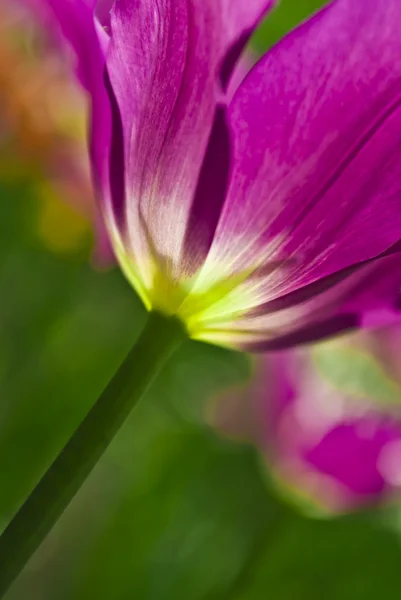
[
  {"x": 334, "y": 444},
  {"x": 326, "y": 420},
  {"x": 256, "y": 220}
]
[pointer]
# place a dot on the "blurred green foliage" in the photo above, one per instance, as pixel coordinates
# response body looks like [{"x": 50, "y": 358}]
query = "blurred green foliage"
[
  {"x": 285, "y": 16},
  {"x": 172, "y": 512},
  {"x": 357, "y": 374}
]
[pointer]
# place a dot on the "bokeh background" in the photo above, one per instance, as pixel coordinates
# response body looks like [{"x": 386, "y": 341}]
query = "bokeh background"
[{"x": 184, "y": 505}]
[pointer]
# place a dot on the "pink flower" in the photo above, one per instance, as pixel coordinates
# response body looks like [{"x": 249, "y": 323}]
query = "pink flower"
[
  {"x": 264, "y": 220},
  {"x": 341, "y": 449}
]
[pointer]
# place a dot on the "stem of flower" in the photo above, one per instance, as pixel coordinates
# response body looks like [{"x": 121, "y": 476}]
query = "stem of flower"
[{"x": 36, "y": 517}]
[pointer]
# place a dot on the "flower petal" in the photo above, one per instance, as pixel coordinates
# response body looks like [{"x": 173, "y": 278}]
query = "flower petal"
[
  {"x": 365, "y": 296},
  {"x": 76, "y": 21},
  {"x": 88, "y": 41},
  {"x": 319, "y": 435},
  {"x": 317, "y": 152},
  {"x": 162, "y": 65},
  {"x": 240, "y": 18},
  {"x": 350, "y": 452},
  {"x": 102, "y": 11}
]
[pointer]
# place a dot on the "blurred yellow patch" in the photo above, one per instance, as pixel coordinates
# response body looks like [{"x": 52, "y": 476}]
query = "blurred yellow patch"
[
  {"x": 60, "y": 227},
  {"x": 312, "y": 494}
]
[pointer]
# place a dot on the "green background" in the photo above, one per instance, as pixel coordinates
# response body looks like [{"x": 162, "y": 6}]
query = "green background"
[{"x": 172, "y": 511}]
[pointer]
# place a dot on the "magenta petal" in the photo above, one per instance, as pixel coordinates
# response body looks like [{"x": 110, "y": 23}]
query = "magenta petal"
[
  {"x": 102, "y": 11},
  {"x": 240, "y": 19},
  {"x": 365, "y": 296},
  {"x": 317, "y": 153},
  {"x": 209, "y": 196},
  {"x": 311, "y": 435},
  {"x": 312, "y": 332},
  {"x": 79, "y": 27},
  {"x": 162, "y": 67},
  {"x": 75, "y": 18},
  {"x": 350, "y": 454}
]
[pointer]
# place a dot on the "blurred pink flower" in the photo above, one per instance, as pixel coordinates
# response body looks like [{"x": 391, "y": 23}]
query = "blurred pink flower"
[{"x": 323, "y": 438}]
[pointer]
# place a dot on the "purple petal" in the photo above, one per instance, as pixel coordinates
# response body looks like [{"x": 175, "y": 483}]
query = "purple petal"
[
  {"x": 162, "y": 67},
  {"x": 88, "y": 41},
  {"x": 240, "y": 19},
  {"x": 213, "y": 180},
  {"x": 244, "y": 65},
  {"x": 102, "y": 11},
  {"x": 367, "y": 296},
  {"x": 350, "y": 453},
  {"x": 76, "y": 21},
  {"x": 312, "y": 432},
  {"x": 207, "y": 203},
  {"x": 317, "y": 154}
]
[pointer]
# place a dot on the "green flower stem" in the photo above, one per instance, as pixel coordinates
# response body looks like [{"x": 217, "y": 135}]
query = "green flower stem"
[{"x": 36, "y": 517}]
